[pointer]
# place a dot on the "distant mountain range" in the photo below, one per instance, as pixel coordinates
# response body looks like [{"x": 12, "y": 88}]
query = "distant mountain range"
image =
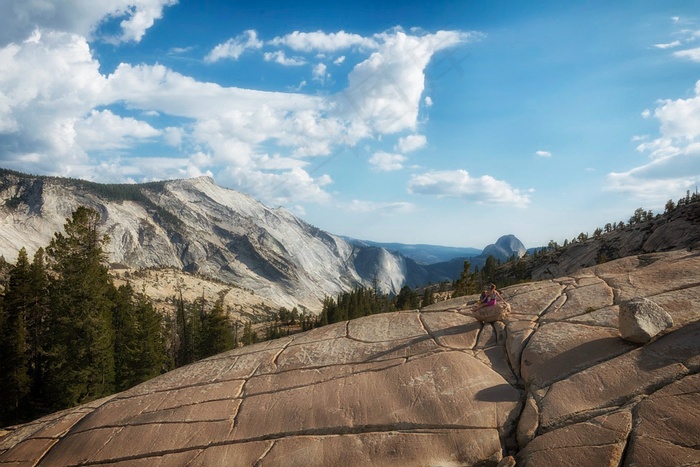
[
  {"x": 421, "y": 253},
  {"x": 196, "y": 226}
]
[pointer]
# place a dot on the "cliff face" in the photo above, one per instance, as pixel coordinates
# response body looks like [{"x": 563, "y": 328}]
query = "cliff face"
[
  {"x": 552, "y": 384},
  {"x": 197, "y": 226}
]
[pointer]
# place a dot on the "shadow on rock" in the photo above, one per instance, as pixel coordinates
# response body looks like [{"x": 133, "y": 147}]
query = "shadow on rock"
[{"x": 500, "y": 393}]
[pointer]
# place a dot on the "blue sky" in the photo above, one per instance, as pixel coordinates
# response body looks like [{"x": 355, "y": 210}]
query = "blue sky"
[{"x": 448, "y": 123}]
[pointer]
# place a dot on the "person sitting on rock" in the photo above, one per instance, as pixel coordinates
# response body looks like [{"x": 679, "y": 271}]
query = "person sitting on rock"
[
  {"x": 484, "y": 297},
  {"x": 492, "y": 297}
]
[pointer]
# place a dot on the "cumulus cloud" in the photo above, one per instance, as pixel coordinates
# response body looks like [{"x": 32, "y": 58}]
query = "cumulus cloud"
[
  {"x": 279, "y": 57},
  {"x": 319, "y": 72},
  {"x": 21, "y": 17},
  {"x": 411, "y": 143},
  {"x": 46, "y": 84},
  {"x": 60, "y": 112},
  {"x": 295, "y": 185},
  {"x": 673, "y": 158},
  {"x": 104, "y": 130},
  {"x": 387, "y": 162},
  {"x": 543, "y": 153},
  {"x": 140, "y": 17},
  {"x": 384, "y": 91},
  {"x": 459, "y": 184},
  {"x": 234, "y": 47},
  {"x": 320, "y": 41}
]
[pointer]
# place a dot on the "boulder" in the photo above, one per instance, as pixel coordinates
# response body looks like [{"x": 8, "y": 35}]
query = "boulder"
[
  {"x": 490, "y": 314},
  {"x": 641, "y": 320}
]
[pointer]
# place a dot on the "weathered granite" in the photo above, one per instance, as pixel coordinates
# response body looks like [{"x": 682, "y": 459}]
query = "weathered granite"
[
  {"x": 641, "y": 320},
  {"x": 551, "y": 384},
  {"x": 598, "y": 442}
]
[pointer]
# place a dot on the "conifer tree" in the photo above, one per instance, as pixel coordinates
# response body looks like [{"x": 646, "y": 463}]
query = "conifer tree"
[
  {"x": 14, "y": 361},
  {"x": 139, "y": 346},
  {"x": 80, "y": 348},
  {"x": 217, "y": 335},
  {"x": 36, "y": 322}
]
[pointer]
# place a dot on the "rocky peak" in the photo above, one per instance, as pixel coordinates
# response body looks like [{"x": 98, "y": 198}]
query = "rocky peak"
[{"x": 504, "y": 248}]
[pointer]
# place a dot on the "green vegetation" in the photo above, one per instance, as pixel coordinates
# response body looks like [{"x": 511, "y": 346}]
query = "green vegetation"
[{"x": 69, "y": 335}]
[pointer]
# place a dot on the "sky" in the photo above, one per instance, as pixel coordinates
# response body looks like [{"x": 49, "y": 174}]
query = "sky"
[{"x": 445, "y": 122}]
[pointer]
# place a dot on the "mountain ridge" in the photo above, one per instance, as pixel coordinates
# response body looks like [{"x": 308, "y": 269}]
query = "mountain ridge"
[{"x": 199, "y": 227}]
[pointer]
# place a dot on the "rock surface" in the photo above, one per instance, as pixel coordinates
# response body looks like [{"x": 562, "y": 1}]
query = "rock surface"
[
  {"x": 554, "y": 384},
  {"x": 641, "y": 320}
]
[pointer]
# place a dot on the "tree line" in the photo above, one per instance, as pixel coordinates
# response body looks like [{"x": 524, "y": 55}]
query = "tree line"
[{"x": 69, "y": 335}]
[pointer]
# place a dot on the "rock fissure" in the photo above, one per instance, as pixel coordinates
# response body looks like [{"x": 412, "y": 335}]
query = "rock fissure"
[
  {"x": 277, "y": 355},
  {"x": 328, "y": 432},
  {"x": 324, "y": 381},
  {"x": 672, "y": 443},
  {"x": 553, "y": 305}
]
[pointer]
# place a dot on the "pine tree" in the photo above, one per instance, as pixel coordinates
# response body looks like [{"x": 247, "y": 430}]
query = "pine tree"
[
  {"x": 139, "y": 346},
  {"x": 80, "y": 348},
  {"x": 217, "y": 336},
  {"x": 249, "y": 336},
  {"x": 36, "y": 323},
  {"x": 14, "y": 361}
]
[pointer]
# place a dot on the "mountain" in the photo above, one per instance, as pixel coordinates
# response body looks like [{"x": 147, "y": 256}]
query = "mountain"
[
  {"x": 421, "y": 253},
  {"x": 196, "y": 226},
  {"x": 506, "y": 247}
]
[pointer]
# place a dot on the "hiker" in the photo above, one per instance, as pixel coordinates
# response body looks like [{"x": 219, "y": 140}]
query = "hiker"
[{"x": 491, "y": 298}]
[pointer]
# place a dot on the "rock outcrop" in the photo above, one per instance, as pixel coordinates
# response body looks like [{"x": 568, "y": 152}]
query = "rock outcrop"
[
  {"x": 553, "y": 384},
  {"x": 676, "y": 230},
  {"x": 641, "y": 320}
]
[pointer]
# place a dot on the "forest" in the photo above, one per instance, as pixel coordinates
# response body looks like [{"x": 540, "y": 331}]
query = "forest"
[{"x": 70, "y": 336}]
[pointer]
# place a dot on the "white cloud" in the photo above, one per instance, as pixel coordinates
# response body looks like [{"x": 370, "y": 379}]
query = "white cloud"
[
  {"x": 691, "y": 54},
  {"x": 82, "y": 17},
  {"x": 173, "y": 136},
  {"x": 669, "y": 45},
  {"x": 54, "y": 101},
  {"x": 234, "y": 48},
  {"x": 411, "y": 143},
  {"x": 459, "y": 184},
  {"x": 543, "y": 154},
  {"x": 674, "y": 157},
  {"x": 382, "y": 209},
  {"x": 279, "y": 57},
  {"x": 384, "y": 91},
  {"x": 295, "y": 185},
  {"x": 102, "y": 130},
  {"x": 387, "y": 162},
  {"x": 319, "y": 73},
  {"x": 320, "y": 41},
  {"x": 46, "y": 86},
  {"x": 339, "y": 60},
  {"x": 140, "y": 17},
  {"x": 428, "y": 101}
]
